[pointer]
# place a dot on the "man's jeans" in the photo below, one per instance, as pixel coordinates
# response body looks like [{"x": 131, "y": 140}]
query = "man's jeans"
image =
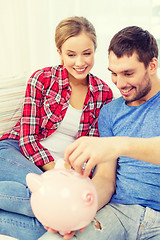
[
  {"x": 119, "y": 222},
  {"x": 112, "y": 222},
  {"x": 16, "y": 216}
]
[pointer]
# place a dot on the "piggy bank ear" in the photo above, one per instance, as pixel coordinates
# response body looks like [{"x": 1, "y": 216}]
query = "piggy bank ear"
[{"x": 33, "y": 181}]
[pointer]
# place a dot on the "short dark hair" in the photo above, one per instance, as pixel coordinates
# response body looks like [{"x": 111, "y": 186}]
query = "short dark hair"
[{"x": 134, "y": 39}]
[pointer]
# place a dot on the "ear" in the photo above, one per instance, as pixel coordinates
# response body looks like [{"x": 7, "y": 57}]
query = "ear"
[
  {"x": 59, "y": 51},
  {"x": 153, "y": 65},
  {"x": 34, "y": 181},
  {"x": 60, "y": 54}
]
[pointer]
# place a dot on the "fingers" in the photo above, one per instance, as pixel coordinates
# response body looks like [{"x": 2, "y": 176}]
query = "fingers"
[
  {"x": 90, "y": 164},
  {"x": 79, "y": 161},
  {"x": 66, "y": 236},
  {"x": 75, "y": 155},
  {"x": 70, "y": 150},
  {"x": 69, "y": 235},
  {"x": 82, "y": 229},
  {"x": 80, "y": 155},
  {"x": 50, "y": 229}
]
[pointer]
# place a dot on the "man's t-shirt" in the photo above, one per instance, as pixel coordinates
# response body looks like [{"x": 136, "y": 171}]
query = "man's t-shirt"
[{"x": 137, "y": 182}]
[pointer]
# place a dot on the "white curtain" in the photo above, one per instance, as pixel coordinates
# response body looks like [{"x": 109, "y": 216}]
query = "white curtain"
[{"x": 27, "y": 37}]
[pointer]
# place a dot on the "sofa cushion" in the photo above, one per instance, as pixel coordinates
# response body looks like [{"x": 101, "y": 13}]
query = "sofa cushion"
[{"x": 11, "y": 100}]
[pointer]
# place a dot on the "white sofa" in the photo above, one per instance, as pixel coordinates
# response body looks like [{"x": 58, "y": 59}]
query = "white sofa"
[{"x": 11, "y": 99}]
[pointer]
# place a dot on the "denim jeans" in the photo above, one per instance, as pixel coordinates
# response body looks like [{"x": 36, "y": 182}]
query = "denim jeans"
[
  {"x": 16, "y": 216},
  {"x": 119, "y": 222}
]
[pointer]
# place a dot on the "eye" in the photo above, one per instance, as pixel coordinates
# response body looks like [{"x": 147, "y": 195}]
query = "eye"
[
  {"x": 71, "y": 55},
  {"x": 87, "y": 53},
  {"x": 114, "y": 74},
  {"x": 128, "y": 74}
]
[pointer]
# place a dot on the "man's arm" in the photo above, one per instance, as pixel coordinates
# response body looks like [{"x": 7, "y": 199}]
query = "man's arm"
[
  {"x": 143, "y": 149},
  {"x": 95, "y": 150},
  {"x": 105, "y": 182}
]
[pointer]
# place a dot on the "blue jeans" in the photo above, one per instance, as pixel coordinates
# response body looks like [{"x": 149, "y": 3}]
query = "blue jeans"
[
  {"x": 16, "y": 216},
  {"x": 119, "y": 222}
]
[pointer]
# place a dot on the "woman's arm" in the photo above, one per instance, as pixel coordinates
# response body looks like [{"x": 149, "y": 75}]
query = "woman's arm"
[{"x": 31, "y": 122}]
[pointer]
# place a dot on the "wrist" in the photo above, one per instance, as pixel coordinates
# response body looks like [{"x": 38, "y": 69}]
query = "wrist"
[
  {"x": 124, "y": 146},
  {"x": 121, "y": 146},
  {"x": 48, "y": 166}
]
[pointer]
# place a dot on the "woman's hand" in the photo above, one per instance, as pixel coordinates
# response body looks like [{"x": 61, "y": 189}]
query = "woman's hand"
[
  {"x": 65, "y": 236},
  {"x": 48, "y": 166}
]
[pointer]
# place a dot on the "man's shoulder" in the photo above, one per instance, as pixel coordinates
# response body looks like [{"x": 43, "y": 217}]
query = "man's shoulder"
[
  {"x": 115, "y": 103},
  {"x": 112, "y": 108}
]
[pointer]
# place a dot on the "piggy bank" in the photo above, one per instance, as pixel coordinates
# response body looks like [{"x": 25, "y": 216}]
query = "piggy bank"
[{"x": 62, "y": 199}]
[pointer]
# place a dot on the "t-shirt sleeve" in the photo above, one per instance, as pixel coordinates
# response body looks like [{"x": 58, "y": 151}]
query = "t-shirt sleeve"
[{"x": 104, "y": 122}]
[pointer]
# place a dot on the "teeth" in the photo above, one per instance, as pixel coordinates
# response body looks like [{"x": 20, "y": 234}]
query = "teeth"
[
  {"x": 80, "y": 70},
  {"x": 125, "y": 91}
]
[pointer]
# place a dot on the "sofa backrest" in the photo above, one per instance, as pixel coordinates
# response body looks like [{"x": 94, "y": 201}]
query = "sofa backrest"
[{"x": 11, "y": 101}]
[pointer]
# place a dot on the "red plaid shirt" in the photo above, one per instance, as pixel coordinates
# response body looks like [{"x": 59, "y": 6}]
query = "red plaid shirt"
[{"x": 46, "y": 101}]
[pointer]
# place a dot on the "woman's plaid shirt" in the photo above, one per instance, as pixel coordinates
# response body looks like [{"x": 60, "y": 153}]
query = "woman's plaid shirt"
[{"x": 46, "y": 101}]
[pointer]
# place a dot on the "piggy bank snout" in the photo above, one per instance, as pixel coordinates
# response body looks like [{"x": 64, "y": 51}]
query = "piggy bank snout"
[{"x": 88, "y": 198}]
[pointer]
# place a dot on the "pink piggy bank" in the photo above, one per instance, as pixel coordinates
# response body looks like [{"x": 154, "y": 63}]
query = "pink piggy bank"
[{"x": 62, "y": 199}]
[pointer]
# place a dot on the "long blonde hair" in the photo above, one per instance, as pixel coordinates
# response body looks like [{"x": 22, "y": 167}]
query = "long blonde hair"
[{"x": 71, "y": 27}]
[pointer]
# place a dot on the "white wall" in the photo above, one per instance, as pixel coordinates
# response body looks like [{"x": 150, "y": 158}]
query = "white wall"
[{"x": 27, "y": 30}]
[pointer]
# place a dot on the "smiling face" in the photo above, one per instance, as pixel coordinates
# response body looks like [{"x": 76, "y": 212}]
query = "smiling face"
[
  {"x": 77, "y": 55},
  {"x": 131, "y": 78}
]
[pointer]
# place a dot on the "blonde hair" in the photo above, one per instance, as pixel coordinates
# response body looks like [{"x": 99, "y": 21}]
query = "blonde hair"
[{"x": 73, "y": 26}]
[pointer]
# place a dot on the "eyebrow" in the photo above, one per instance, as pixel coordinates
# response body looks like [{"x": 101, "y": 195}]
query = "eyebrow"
[
  {"x": 70, "y": 50},
  {"x": 124, "y": 71},
  {"x": 88, "y": 49}
]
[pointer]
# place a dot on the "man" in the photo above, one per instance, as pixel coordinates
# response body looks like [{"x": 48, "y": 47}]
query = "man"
[
  {"x": 127, "y": 154},
  {"x": 129, "y": 144}
]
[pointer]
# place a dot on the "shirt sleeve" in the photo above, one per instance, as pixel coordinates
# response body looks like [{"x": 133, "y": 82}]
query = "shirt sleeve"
[
  {"x": 106, "y": 97},
  {"x": 105, "y": 122},
  {"x": 30, "y": 122}
]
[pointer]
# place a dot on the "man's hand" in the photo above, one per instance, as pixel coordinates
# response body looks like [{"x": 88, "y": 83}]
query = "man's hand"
[{"x": 91, "y": 151}]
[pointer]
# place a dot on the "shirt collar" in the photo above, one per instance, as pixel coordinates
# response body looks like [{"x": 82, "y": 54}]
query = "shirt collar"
[{"x": 64, "y": 81}]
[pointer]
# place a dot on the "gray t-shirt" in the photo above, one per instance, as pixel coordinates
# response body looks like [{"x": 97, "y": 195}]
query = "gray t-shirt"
[{"x": 137, "y": 182}]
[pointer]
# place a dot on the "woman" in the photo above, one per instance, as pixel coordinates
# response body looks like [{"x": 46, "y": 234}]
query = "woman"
[{"x": 61, "y": 104}]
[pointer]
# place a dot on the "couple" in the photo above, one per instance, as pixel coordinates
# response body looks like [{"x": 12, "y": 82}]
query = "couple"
[{"x": 126, "y": 153}]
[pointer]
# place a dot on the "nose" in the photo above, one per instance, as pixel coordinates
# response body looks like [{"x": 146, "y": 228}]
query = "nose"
[
  {"x": 119, "y": 82},
  {"x": 79, "y": 61}
]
